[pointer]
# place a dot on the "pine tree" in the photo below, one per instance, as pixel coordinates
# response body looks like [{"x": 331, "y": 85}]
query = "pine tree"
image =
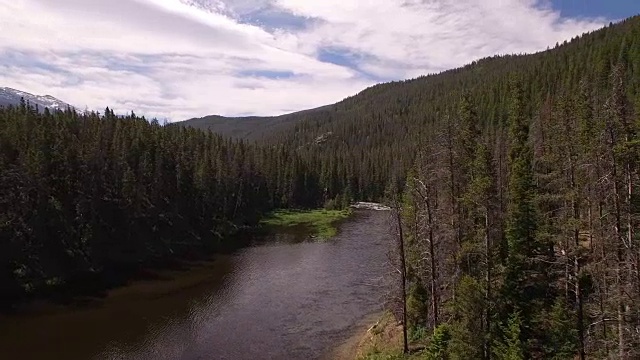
[
  {"x": 562, "y": 338},
  {"x": 525, "y": 281},
  {"x": 511, "y": 346},
  {"x": 521, "y": 216},
  {"x": 467, "y": 326}
]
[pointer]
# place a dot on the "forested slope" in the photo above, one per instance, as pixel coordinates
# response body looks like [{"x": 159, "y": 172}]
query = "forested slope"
[
  {"x": 250, "y": 127},
  {"x": 370, "y": 139},
  {"x": 378, "y": 129},
  {"x": 521, "y": 209}
]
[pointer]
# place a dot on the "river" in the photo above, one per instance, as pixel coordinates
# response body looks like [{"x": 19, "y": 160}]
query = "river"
[{"x": 285, "y": 297}]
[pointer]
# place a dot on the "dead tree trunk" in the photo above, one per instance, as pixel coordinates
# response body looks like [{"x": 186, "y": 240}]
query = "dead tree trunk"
[
  {"x": 403, "y": 276},
  {"x": 488, "y": 279},
  {"x": 431, "y": 249}
]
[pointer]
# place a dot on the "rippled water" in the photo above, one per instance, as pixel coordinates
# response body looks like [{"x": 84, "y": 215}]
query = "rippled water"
[{"x": 283, "y": 299}]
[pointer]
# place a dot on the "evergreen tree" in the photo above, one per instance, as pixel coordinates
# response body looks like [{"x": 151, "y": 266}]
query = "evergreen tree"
[{"x": 511, "y": 346}]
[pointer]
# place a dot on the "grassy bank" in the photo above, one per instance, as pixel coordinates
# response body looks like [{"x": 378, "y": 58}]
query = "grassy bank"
[
  {"x": 383, "y": 341},
  {"x": 323, "y": 222}
]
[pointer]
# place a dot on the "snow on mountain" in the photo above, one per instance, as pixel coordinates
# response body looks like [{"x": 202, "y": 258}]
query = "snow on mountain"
[{"x": 9, "y": 96}]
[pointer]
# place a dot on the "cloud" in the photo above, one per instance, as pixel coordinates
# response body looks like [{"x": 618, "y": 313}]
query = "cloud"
[
  {"x": 182, "y": 58},
  {"x": 408, "y": 37}
]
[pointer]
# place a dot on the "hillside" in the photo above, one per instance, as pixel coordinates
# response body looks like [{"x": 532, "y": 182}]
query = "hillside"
[
  {"x": 251, "y": 127},
  {"x": 375, "y": 134},
  {"x": 412, "y": 103},
  {"x": 517, "y": 183},
  {"x": 396, "y": 109}
]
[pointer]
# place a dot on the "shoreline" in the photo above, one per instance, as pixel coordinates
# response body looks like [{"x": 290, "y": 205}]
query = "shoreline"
[
  {"x": 99, "y": 289},
  {"x": 163, "y": 292},
  {"x": 148, "y": 283},
  {"x": 378, "y": 335},
  {"x": 350, "y": 348}
]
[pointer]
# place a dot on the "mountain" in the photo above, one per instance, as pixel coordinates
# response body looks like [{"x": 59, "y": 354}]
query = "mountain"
[
  {"x": 9, "y": 96},
  {"x": 252, "y": 127},
  {"x": 401, "y": 109},
  {"x": 376, "y": 134}
]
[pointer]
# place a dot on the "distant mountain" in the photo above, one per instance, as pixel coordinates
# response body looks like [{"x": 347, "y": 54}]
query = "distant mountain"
[
  {"x": 9, "y": 96},
  {"x": 253, "y": 127}
]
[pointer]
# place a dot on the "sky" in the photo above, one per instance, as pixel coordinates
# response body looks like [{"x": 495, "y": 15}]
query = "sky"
[{"x": 178, "y": 59}]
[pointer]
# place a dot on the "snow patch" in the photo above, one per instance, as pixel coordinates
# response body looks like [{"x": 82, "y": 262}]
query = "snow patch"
[{"x": 9, "y": 96}]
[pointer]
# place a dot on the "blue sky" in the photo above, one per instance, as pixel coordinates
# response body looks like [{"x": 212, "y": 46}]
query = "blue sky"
[
  {"x": 177, "y": 59},
  {"x": 611, "y": 9}
]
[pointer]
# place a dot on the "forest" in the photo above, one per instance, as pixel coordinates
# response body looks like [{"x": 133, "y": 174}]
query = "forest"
[
  {"x": 88, "y": 199},
  {"x": 521, "y": 232},
  {"x": 521, "y": 242},
  {"x": 513, "y": 177}
]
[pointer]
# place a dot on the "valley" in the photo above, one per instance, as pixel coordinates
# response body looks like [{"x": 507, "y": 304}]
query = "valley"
[{"x": 509, "y": 216}]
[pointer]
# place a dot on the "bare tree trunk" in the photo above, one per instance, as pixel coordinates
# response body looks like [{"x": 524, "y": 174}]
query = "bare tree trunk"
[
  {"x": 603, "y": 319},
  {"x": 432, "y": 256},
  {"x": 604, "y": 288},
  {"x": 634, "y": 267},
  {"x": 619, "y": 278},
  {"x": 427, "y": 198},
  {"x": 403, "y": 275},
  {"x": 590, "y": 215},
  {"x": 455, "y": 217},
  {"x": 567, "y": 269},
  {"x": 576, "y": 257},
  {"x": 489, "y": 264},
  {"x": 580, "y": 317},
  {"x": 578, "y": 293},
  {"x": 621, "y": 339},
  {"x": 619, "y": 255}
]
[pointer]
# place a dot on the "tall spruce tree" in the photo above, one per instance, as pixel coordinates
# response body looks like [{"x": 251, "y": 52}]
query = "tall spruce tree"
[{"x": 523, "y": 284}]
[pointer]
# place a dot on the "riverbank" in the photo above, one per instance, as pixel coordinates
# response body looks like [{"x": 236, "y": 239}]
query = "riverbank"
[
  {"x": 380, "y": 337},
  {"x": 294, "y": 300},
  {"x": 146, "y": 283},
  {"x": 323, "y": 223},
  {"x": 91, "y": 286},
  {"x": 122, "y": 315},
  {"x": 95, "y": 286}
]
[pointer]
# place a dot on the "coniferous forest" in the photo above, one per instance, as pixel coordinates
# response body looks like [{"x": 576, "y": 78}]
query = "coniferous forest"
[
  {"x": 515, "y": 178},
  {"x": 521, "y": 230},
  {"x": 92, "y": 198}
]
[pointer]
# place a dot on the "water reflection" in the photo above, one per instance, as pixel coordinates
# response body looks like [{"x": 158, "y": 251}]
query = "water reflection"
[{"x": 284, "y": 298}]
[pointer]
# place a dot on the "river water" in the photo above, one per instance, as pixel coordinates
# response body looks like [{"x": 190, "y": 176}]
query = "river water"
[{"x": 287, "y": 297}]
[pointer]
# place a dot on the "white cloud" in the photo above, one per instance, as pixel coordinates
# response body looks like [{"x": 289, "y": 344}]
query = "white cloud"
[
  {"x": 184, "y": 58},
  {"x": 433, "y": 35}
]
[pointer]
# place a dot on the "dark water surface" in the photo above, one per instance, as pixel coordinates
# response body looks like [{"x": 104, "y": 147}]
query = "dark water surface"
[{"x": 286, "y": 298}]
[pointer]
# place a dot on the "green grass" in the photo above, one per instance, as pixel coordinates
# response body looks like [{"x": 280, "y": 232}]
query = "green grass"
[{"x": 323, "y": 222}]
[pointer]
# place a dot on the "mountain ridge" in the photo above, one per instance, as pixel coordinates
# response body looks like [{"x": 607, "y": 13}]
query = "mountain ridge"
[
  {"x": 409, "y": 94},
  {"x": 10, "y": 96},
  {"x": 249, "y": 127}
]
